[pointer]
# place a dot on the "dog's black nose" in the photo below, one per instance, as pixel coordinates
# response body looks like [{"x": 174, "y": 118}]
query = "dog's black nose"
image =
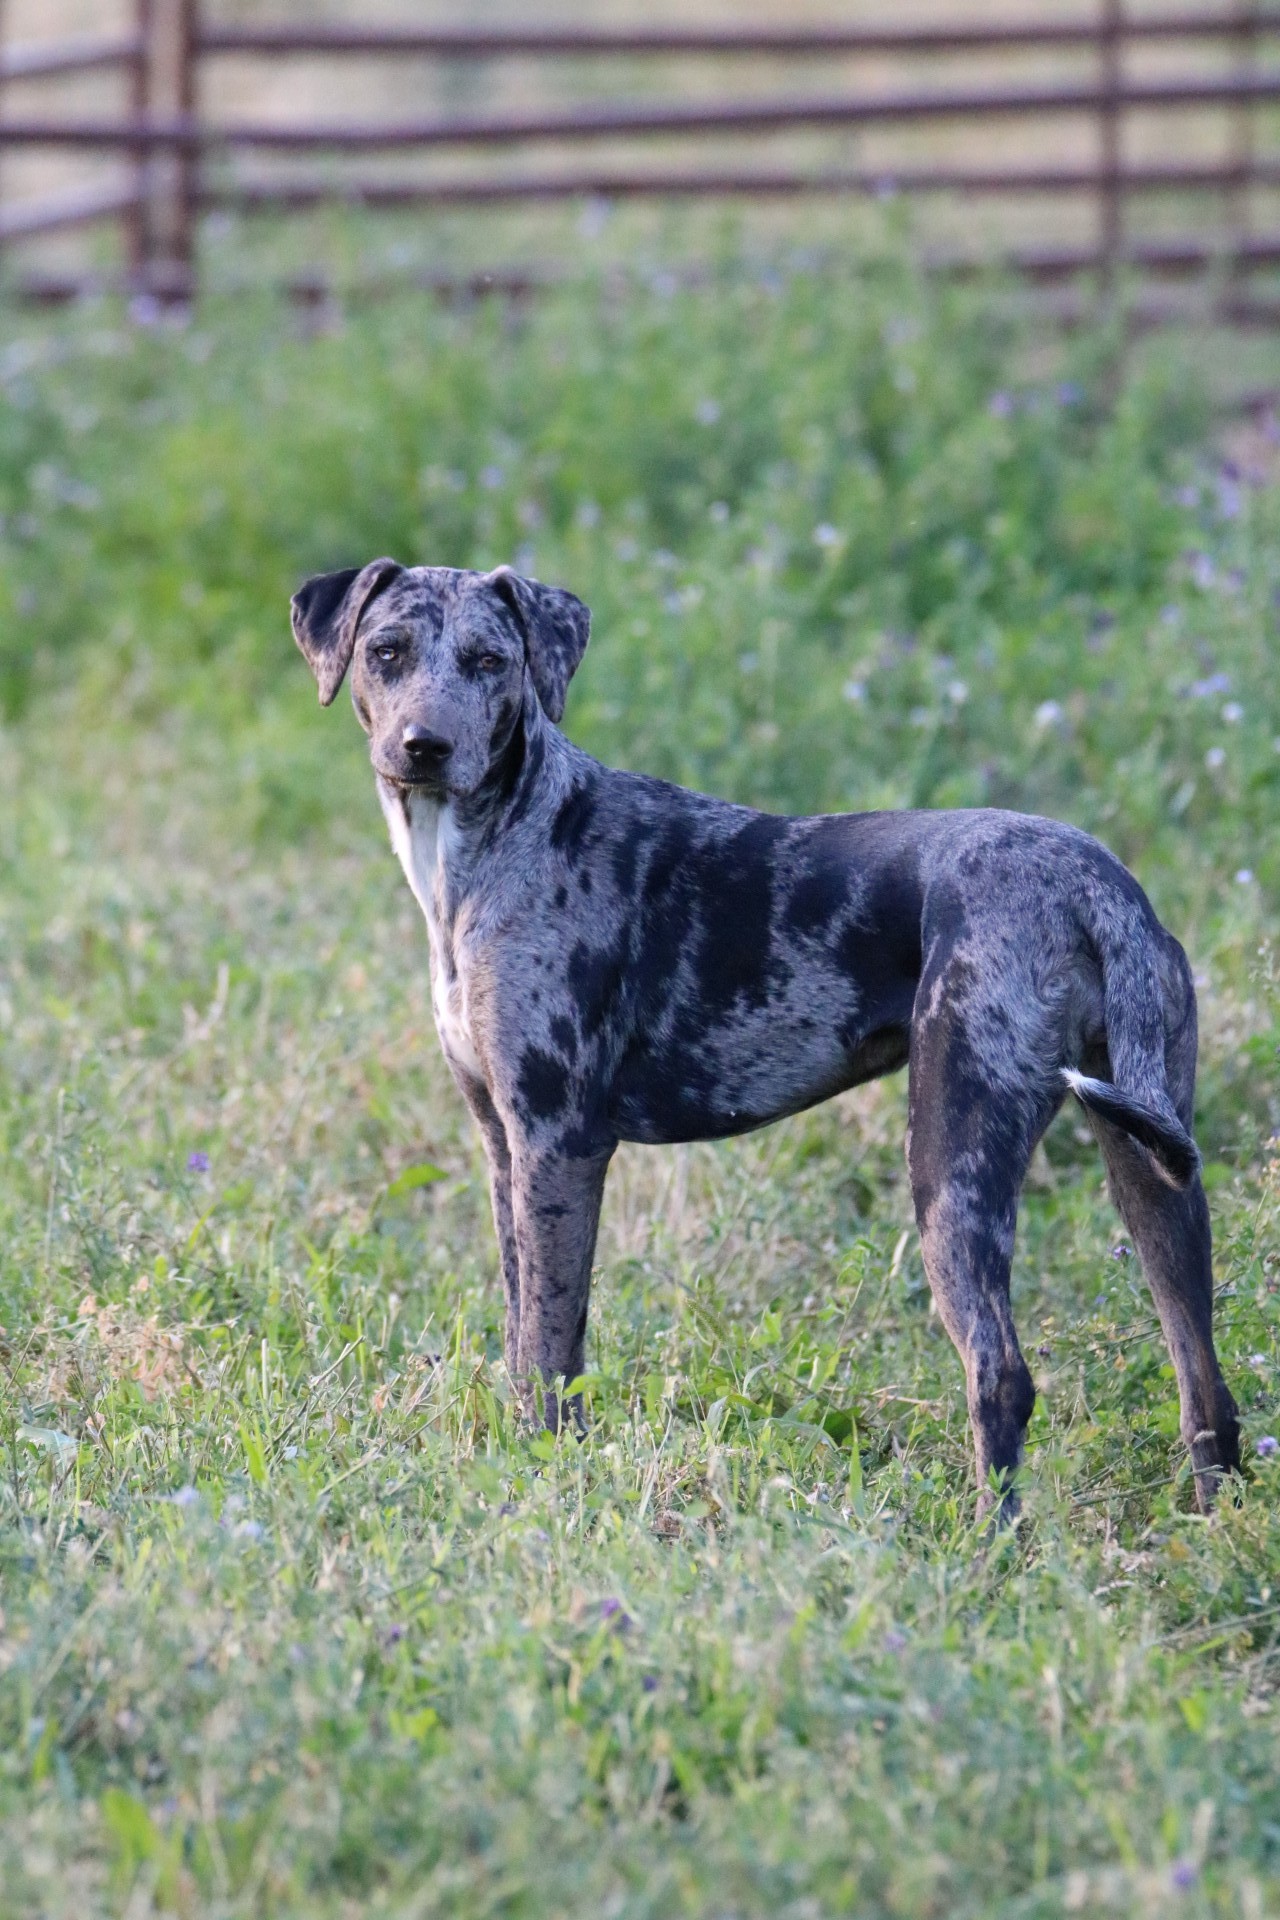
[{"x": 424, "y": 748}]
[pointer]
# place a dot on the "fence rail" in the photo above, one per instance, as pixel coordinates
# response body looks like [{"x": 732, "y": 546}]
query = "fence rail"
[
  {"x": 628, "y": 121},
  {"x": 179, "y": 161},
  {"x": 596, "y": 42},
  {"x": 71, "y": 56}
]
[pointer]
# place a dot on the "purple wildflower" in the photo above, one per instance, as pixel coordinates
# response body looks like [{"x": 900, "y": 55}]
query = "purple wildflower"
[
  {"x": 1122, "y": 1251},
  {"x": 1069, "y": 393},
  {"x": 1184, "y": 1874},
  {"x": 615, "y": 1614},
  {"x": 198, "y": 1162},
  {"x": 1000, "y": 405},
  {"x": 895, "y": 1640},
  {"x": 1267, "y": 1444},
  {"x": 650, "y": 1683}
]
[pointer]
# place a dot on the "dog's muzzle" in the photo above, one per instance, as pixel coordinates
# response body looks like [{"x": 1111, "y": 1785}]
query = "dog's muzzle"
[{"x": 422, "y": 760}]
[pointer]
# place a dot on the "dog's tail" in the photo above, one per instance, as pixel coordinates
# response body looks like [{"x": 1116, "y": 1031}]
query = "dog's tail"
[
  {"x": 1137, "y": 1098},
  {"x": 1163, "y": 1135}
]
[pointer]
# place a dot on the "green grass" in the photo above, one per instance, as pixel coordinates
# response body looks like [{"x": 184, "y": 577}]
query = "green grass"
[{"x": 296, "y": 1619}]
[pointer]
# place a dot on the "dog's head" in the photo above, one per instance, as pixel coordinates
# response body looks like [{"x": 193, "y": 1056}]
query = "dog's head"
[{"x": 442, "y": 662}]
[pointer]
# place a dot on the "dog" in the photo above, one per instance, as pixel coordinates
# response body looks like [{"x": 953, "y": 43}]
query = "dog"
[{"x": 616, "y": 958}]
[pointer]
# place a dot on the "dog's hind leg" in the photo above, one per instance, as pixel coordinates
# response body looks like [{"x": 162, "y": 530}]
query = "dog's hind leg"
[
  {"x": 978, "y": 1102},
  {"x": 556, "y": 1205},
  {"x": 1171, "y": 1233}
]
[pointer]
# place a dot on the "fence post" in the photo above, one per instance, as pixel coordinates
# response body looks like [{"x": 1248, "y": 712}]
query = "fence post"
[
  {"x": 3, "y": 153},
  {"x": 1110, "y": 181},
  {"x": 138, "y": 222},
  {"x": 1243, "y": 131},
  {"x": 161, "y": 227},
  {"x": 186, "y": 159}
]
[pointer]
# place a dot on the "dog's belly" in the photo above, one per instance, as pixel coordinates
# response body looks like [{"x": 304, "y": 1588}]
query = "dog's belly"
[{"x": 732, "y": 1082}]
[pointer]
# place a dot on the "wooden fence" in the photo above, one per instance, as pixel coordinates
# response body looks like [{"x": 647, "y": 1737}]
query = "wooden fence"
[{"x": 180, "y": 162}]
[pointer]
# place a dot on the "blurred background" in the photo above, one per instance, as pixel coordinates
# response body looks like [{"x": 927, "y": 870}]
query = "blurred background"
[
  {"x": 901, "y": 343},
  {"x": 1055, "y": 138},
  {"x": 821, "y": 329}
]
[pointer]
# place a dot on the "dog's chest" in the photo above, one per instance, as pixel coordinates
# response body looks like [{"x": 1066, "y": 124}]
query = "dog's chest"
[{"x": 424, "y": 835}]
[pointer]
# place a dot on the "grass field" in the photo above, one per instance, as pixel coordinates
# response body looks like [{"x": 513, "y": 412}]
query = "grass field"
[{"x": 296, "y": 1620}]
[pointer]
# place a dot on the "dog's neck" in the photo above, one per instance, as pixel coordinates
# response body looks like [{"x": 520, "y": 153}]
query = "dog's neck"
[
  {"x": 435, "y": 854},
  {"x": 428, "y": 844},
  {"x": 441, "y": 842}
]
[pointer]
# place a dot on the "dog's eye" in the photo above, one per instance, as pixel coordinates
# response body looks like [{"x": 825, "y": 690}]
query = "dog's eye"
[
  {"x": 386, "y": 653},
  {"x": 489, "y": 662}
]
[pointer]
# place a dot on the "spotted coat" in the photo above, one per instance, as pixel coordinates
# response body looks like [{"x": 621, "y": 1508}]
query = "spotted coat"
[{"x": 616, "y": 958}]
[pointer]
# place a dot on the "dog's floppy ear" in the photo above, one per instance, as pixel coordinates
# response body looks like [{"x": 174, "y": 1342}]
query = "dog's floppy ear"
[
  {"x": 326, "y": 613},
  {"x": 556, "y": 626}
]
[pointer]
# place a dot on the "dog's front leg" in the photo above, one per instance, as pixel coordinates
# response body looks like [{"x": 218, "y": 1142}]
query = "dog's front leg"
[
  {"x": 556, "y": 1206},
  {"x": 498, "y": 1155}
]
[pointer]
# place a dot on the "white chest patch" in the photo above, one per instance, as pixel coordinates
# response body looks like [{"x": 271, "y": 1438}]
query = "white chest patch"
[{"x": 423, "y": 844}]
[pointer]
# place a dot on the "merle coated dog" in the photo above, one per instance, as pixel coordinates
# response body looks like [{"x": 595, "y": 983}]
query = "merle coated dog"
[{"x": 614, "y": 958}]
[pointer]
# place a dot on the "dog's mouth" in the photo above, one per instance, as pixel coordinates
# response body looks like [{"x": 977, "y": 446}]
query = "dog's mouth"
[{"x": 431, "y": 785}]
